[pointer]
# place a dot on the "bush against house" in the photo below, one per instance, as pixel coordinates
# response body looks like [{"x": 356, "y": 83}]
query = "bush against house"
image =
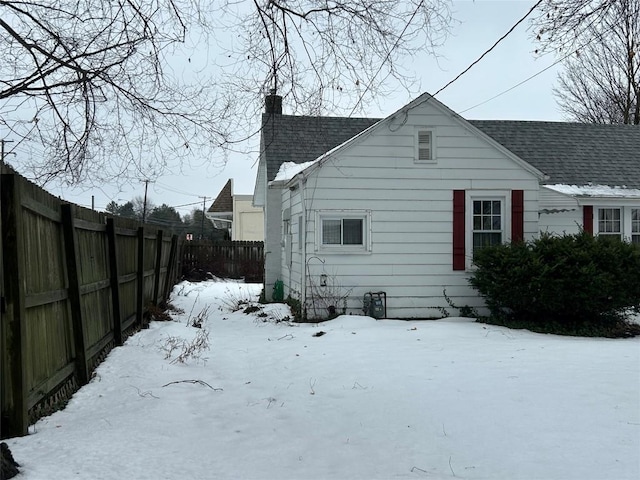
[{"x": 575, "y": 284}]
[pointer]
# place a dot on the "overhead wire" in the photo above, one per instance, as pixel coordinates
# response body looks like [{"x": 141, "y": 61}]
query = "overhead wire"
[
  {"x": 474, "y": 63},
  {"x": 395, "y": 45},
  {"x": 559, "y": 60}
]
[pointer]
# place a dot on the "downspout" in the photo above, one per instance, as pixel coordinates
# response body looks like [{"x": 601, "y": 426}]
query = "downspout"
[{"x": 303, "y": 270}]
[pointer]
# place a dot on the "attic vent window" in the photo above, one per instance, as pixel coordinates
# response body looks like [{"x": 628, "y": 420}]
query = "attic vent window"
[{"x": 425, "y": 146}]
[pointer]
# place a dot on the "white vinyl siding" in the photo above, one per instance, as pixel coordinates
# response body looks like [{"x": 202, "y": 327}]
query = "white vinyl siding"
[
  {"x": 407, "y": 211},
  {"x": 563, "y": 214},
  {"x": 300, "y": 232}
]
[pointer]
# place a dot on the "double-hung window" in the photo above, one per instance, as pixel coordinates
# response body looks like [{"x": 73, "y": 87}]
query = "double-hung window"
[
  {"x": 487, "y": 222},
  {"x": 610, "y": 222},
  {"x": 345, "y": 231},
  {"x": 635, "y": 225},
  {"x": 483, "y": 218}
]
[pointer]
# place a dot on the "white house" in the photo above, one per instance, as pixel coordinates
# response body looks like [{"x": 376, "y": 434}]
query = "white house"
[
  {"x": 399, "y": 206},
  {"x": 237, "y": 215}
]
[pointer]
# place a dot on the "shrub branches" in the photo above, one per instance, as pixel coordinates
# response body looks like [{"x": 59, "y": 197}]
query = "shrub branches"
[{"x": 574, "y": 284}]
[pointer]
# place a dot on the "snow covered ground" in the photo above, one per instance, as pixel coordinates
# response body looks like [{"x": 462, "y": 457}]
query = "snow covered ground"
[{"x": 365, "y": 400}]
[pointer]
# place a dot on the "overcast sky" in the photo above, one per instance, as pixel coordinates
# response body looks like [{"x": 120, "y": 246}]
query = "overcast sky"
[{"x": 482, "y": 22}]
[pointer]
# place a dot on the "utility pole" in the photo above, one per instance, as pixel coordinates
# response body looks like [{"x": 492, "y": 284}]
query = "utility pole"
[
  {"x": 2, "y": 151},
  {"x": 204, "y": 205},
  {"x": 144, "y": 204}
]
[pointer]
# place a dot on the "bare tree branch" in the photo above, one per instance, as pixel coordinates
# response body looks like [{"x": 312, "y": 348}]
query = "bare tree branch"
[
  {"x": 126, "y": 88},
  {"x": 601, "y": 81}
]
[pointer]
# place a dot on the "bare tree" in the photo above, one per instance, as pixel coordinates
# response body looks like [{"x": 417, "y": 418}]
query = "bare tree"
[
  {"x": 601, "y": 81},
  {"x": 326, "y": 56},
  {"x": 562, "y": 24},
  {"x": 89, "y": 84},
  {"x": 101, "y": 90}
]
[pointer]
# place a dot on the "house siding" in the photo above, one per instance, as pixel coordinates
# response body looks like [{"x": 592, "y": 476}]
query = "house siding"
[
  {"x": 559, "y": 214},
  {"x": 272, "y": 240},
  {"x": 411, "y": 213},
  {"x": 248, "y": 221}
]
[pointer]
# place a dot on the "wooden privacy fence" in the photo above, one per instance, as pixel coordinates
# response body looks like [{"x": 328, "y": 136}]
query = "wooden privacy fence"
[
  {"x": 75, "y": 284},
  {"x": 226, "y": 259}
]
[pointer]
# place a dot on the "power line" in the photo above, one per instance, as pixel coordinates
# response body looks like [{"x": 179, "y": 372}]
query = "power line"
[
  {"x": 395, "y": 45},
  {"x": 187, "y": 204},
  {"x": 561, "y": 59},
  {"x": 492, "y": 47},
  {"x": 164, "y": 186},
  {"x": 515, "y": 86}
]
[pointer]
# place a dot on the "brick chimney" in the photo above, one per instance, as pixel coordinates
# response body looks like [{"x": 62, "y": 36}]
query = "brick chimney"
[{"x": 273, "y": 103}]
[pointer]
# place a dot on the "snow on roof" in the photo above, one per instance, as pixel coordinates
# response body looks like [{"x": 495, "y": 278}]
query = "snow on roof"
[
  {"x": 596, "y": 191},
  {"x": 288, "y": 170}
]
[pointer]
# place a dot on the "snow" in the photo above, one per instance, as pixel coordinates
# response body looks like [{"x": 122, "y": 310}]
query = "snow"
[
  {"x": 288, "y": 170},
  {"x": 596, "y": 191},
  {"x": 368, "y": 399}
]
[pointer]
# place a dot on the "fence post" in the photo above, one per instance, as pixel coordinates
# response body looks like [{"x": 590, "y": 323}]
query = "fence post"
[
  {"x": 3, "y": 311},
  {"x": 73, "y": 274},
  {"x": 114, "y": 281},
  {"x": 172, "y": 265},
  {"x": 140, "y": 279},
  {"x": 15, "y": 416},
  {"x": 158, "y": 266}
]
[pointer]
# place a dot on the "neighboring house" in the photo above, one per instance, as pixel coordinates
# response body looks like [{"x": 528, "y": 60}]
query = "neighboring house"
[
  {"x": 237, "y": 215},
  {"x": 398, "y": 205}
]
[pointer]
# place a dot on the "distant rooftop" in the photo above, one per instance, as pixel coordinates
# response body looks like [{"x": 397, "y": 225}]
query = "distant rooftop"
[{"x": 224, "y": 201}]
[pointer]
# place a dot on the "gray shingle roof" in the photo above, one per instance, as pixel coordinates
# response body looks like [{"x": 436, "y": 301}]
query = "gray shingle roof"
[
  {"x": 568, "y": 153},
  {"x": 289, "y": 138},
  {"x": 224, "y": 201},
  {"x": 572, "y": 153}
]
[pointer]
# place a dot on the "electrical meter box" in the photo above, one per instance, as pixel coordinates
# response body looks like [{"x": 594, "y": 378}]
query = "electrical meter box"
[{"x": 374, "y": 304}]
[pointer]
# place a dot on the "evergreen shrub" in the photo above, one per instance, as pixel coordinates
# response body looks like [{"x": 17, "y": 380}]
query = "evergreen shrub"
[{"x": 571, "y": 284}]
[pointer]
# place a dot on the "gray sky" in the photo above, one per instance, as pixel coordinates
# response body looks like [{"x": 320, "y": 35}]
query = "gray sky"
[{"x": 482, "y": 22}]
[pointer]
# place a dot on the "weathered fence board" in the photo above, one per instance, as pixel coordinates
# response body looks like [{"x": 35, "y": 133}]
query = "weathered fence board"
[
  {"x": 231, "y": 259},
  {"x": 75, "y": 283}
]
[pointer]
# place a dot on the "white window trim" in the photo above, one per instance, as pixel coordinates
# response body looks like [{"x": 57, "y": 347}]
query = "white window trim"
[
  {"x": 637, "y": 233},
  {"x": 286, "y": 242},
  {"x": 596, "y": 220},
  {"x": 434, "y": 145},
  {"x": 625, "y": 217},
  {"x": 365, "y": 215},
  {"x": 470, "y": 195}
]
